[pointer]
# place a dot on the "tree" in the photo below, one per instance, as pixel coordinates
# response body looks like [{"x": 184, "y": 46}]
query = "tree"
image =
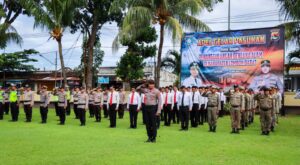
[
  {"x": 54, "y": 15},
  {"x": 132, "y": 63},
  {"x": 173, "y": 15},
  {"x": 90, "y": 19},
  {"x": 17, "y": 61}
]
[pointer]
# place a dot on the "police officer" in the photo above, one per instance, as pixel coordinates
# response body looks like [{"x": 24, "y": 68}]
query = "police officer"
[
  {"x": 105, "y": 97},
  {"x": 122, "y": 103},
  {"x": 184, "y": 105},
  {"x": 62, "y": 105},
  {"x": 248, "y": 106},
  {"x": 203, "y": 105},
  {"x": 98, "y": 102},
  {"x": 91, "y": 102},
  {"x": 44, "y": 102},
  {"x": 83, "y": 101},
  {"x": 55, "y": 100},
  {"x": 1, "y": 103},
  {"x": 213, "y": 104},
  {"x": 28, "y": 103},
  {"x": 266, "y": 78},
  {"x": 68, "y": 109},
  {"x": 194, "y": 79},
  {"x": 196, "y": 99},
  {"x": 276, "y": 99},
  {"x": 14, "y": 103},
  {"x": 113, "y": 106},
  {"x": 168, "y": 104},
  {"x": 134, "y": 106},
  {"x": 237, "y": 105},
  {"x": 142, "y": 95},
  {"x": 266, "y": 105},
  {"x": 75, "y": 101},
  {"x": 243, "y": 112},
  {"x": 153, "y": 104}
]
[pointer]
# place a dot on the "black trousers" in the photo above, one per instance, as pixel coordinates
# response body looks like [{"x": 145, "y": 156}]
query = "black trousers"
[
  {"x": 1, "y": 111},
  {"x": 143, "y": 113},
  {"x": 222, "y": 112},
  {"x": 167, "y": 114},
  {"x": 97, "y": 109},
  {"x": 162, "y": 115},
  {"x": 194, "y": 115},
  {"x": 150, "y": 119},
  {"x": 105, "y": 112},
  {"x": 62, "y": 114},
  {"x": 68, "y": 109},
  {"x": 44, "y": 113},
  {"x": 185, "y": 115},
  {"x": 81, "y": 114},
  {"x": 76, "y": 111},
  {"x": 175, "y": 114},
  {"x": 112, "y": 115},
  {"x": 121, "y": 111},
  {"x": 91, "y": 110},
  {"x": 56, "y": 108},
  {"x": 202, "y": 114},
  {"x": 6, "y": 108},
  {"x": 28, "y": 112},
  {"x": 133, "y": 114},
  {"x": 14, "y": 111}
]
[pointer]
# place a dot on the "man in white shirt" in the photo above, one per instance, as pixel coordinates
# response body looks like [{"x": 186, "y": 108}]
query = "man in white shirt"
[
  {"x": 184, "y": 105},
  {"x": 113, "y": 106},
  {"x": 167, "y": 106},
  {"x": 134, "y": 106},
  {"x": 195, "y": 109},
  {"x": 175, "y": 112},
  {"x": 223, "y": 101}
]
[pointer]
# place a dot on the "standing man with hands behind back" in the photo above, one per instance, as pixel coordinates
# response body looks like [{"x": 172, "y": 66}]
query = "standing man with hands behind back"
[{"x": 152, "y": 103}]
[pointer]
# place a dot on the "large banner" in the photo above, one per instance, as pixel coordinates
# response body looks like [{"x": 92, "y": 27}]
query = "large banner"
[{"x": 250, "y": 58}]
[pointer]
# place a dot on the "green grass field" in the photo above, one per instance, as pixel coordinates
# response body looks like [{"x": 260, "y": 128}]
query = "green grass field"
[{"x": 35, "y": 143}]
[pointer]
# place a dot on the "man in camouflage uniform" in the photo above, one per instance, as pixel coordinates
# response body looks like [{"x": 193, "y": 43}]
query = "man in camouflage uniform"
[
  {"x": 213, "y": 105},
  {"x": 237, "y": 105},
  {"x": 266, "y": 110}
]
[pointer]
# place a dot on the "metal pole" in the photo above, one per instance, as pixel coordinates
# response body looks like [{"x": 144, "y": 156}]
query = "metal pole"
[{"x": 228, "y": 15}]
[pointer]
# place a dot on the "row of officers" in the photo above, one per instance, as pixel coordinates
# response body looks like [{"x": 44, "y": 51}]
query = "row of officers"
[{"x": 187, "y": 105}]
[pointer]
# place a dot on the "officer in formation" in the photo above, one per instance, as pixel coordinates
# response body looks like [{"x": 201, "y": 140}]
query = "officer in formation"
[
  {"x": 98, "y": 102},
  {"x": 6, "y": 101},
  {"x": 168, "y": 104},
  {"x": 203, "y": 106},
  {"x": 68, "y": 109},
  {"x": 266, "y": 109},
  {"x": 122, "y": 103},
  {"x": 75, "y": 101},
  {"x": 196, "y": 99},
  {"x": 14, "y": 101},
  {"x": 175, "y": 112},
  {"x": 28, "y": 103},
  {"x": 1, "y": 103},
  {"x": 62, "y": 105},
  {"x": 185, "y": 105},
  {"x": 213, "y": 106},
  {"x": 113, "y": 106},
  {"x": 236, "y": 100},
  {"x": 105, "y": 97},
  {"x": 55, "y": 100},
  {"x": 153, "y": 103},
  {"x": 83, "y": 105},
  {"x": 44, "y": 102},
  {"x": 91, "y": 103},
  {"x": 143, "y": 98},
  {"x": 134, "y": 106},
  {"x": 274, "y": 92}
]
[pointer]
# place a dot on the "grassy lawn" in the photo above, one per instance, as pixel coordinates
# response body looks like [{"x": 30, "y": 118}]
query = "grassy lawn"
[{"x": 35, "y": 143}]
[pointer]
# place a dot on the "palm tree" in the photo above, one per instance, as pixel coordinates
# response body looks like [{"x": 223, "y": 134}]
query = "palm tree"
[
  {"x": 9, "y": 34},
  {"x": 55, "y": 16},
  {"x": 171, "y": 15}
]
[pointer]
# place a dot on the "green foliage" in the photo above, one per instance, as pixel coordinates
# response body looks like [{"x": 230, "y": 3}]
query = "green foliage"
[
  {"x": 49, "y": 144},
  {"x": 130, "y": 67},
  {"x": 17, "y": 61}
]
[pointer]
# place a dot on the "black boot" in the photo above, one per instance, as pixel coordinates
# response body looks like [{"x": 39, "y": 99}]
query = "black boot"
[
  {"x": 246, "y": 124},
  {"x": 243, "y": 127},
  {"x": 233, "y": 130},
  {"x": 272, "y": 128},
  {"x": 210, "y": 129},
  {"x": 214, "y": 128},
  {"x": 237, "y": 131}
]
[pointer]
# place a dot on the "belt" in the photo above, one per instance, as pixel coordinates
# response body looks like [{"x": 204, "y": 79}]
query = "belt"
[
  {"x": 97, "y": 102},
  {"x": 235, "y": 106},
  {"x": 81, "y": 104},
  {"x": 265, "y": 109},
  {"x": 211, "y": 106},
  {"x": 61, "y": 102}
]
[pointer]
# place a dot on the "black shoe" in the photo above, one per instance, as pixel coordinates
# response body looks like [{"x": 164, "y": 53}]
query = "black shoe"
[
  {"x": 153, "y": 140},
  {"x": 214, "y": 128},
  {"x": 233, "y": 130},
  {"x": 237, "y": 131},
  {"x": 82, "y": 124},
  {"x": 148, "y": 141},
  {"x": 272, "y": 128},
  {"x": 267, "y": 133},
  {"x": 182, "y": 129}
]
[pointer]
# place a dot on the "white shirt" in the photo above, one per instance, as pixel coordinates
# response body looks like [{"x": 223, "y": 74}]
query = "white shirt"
[
  {"x": 161, "y": 99},
  {"x": 115, "y": 99},
  {"x": 136, "y": 100},
  {"x": 222, "y": 96},
  {"x": 170, "y": 99},
  {"x": 196, "y": 99},
  {"x": 177, "y": 94},
  {"x": 142, "y": 97},
  {"x": 187, "y": 100}
]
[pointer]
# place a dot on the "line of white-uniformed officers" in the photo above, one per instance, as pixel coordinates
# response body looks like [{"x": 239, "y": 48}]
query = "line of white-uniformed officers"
[{"x": 197, "y": 105}]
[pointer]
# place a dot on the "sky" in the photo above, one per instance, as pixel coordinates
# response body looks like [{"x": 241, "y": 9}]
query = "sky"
[{"x": 245, "y": 14}]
